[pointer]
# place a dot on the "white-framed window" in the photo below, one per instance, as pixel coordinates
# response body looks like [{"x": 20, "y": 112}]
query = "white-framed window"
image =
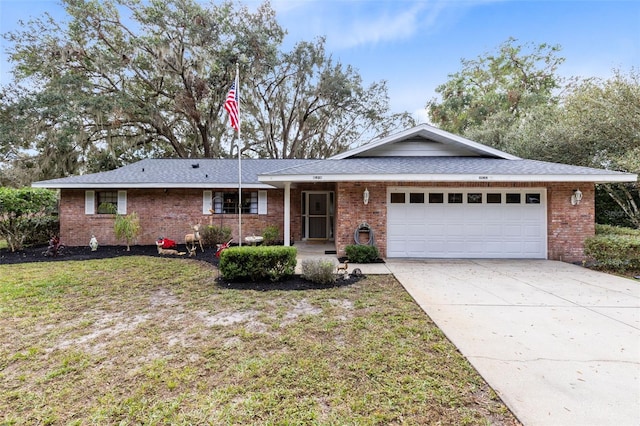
[
  {"x": 105, "y": 202},
  {"x": 219, "y": 202},
  {"x": 502, "y": 196}
]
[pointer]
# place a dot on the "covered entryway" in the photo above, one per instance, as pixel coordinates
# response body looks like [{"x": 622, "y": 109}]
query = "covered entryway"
[{"x": 466, "y": 223}]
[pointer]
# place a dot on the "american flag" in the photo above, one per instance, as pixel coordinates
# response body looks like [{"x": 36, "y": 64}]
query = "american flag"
[{"x": 231, "y": 105}]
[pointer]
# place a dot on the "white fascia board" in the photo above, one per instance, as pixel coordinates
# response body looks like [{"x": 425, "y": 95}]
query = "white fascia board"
[
  {"x": 428, "y": 132},
  {"x": 149, "y": 185},
  {"x": 451, "y": 178}
]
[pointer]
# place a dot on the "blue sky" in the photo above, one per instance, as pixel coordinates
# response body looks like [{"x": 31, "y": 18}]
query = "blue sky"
[{"x": 415, "y": 44}]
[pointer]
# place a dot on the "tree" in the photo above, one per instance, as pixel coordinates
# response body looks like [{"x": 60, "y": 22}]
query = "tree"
[
  {"x": 108, "y": 89},
  {"x": 128, "y": 79},
  {"x": 20, "y": 210},
  {"x": 307, "y": 106},
  {"x": 596, "y": 124},
  {"x": 494, "y": 92},
  {"x": 601, "y": 123},
  {"x": 514, "y": 101}
]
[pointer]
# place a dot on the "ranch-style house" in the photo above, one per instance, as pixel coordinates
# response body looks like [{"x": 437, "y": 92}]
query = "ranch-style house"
[{"x": 420, "y": 193}]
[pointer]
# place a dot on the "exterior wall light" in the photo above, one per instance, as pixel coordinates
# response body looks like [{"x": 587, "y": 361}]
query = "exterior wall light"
[
  {"x": 365, "y": 196},
  {"x": 576, "y": 197}
]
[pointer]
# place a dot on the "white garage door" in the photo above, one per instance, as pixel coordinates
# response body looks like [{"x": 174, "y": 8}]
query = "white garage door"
[{"x": 466, "y": 223}]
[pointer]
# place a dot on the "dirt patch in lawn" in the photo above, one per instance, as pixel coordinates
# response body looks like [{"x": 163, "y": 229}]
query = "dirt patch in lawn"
[{"x": 135, "y": 338}]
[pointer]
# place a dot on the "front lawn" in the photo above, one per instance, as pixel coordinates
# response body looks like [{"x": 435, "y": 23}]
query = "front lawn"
[{"x": 145, "y": 340}]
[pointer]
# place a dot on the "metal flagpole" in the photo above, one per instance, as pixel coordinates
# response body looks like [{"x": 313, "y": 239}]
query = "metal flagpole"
[{"x": 239, "y": 159}]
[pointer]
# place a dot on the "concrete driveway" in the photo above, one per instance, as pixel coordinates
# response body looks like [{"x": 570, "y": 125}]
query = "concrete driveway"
[{"x": 559, "y": 343}]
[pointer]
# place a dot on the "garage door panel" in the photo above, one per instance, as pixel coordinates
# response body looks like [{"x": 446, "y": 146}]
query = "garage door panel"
[
  {"x": 490, "y": 229},
  {"x": 511, "y": 230},
  {"x": 529, "y": 230},
  {"x": 473, "y": 229},
  {"x": 468, "y": 230}
]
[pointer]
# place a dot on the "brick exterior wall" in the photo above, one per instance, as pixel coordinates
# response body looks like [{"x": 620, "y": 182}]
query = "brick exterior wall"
[
  {"x": 162, "y": 213},
  {"x": 169, "y": 214},
  {"x": 567, "y": 225}
]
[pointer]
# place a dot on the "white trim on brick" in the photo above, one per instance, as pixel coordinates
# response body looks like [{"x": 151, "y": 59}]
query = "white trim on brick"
[
  {"x": 207, "y": 202},
  {"x": 262, "y": 202},
  {"x": 89, "y": 202},
  {"x": 122, "y": 202}
]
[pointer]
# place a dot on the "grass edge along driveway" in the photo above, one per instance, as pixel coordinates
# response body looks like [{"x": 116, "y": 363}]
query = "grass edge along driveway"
[{"x": 156, "y": 341}]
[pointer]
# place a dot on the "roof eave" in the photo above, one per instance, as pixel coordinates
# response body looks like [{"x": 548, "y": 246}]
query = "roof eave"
[
  {"x": 125, "y": 185},
  {"x": 617, "y": 178}
]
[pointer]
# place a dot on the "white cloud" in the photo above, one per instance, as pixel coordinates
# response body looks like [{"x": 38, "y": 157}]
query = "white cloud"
[
  {"x": 385, "y": 26},
  {"x": 352, "y": 24}
]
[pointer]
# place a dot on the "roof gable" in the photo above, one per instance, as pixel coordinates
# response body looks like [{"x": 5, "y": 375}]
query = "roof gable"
[{"x": 424, "y": 141}]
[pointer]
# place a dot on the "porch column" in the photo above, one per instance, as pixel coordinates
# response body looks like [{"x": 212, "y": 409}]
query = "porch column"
[{"x": 287, "y": 214}]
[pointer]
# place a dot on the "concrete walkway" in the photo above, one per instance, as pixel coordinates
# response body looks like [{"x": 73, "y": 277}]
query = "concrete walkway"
[{"x": 559, "y": 343}]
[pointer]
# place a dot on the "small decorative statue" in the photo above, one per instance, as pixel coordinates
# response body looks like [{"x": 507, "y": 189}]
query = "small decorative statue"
[
  {"x": 55, "y": 247},
  {"x": 93, "y": 243}
]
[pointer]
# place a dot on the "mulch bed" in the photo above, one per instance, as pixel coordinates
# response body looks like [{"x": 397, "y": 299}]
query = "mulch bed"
[{"x": 37, "y": 254}]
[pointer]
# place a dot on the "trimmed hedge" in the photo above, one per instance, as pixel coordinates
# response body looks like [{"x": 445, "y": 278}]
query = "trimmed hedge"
[
  {"x": 362, "y": 253},
  {"x": 617, "y": 230},
  {"x": 258, "y": 263},
  {"x": 614, "y": 248}
]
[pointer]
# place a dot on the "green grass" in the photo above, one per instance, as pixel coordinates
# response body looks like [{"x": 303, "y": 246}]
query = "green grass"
[{"x": 141, "y": 340}]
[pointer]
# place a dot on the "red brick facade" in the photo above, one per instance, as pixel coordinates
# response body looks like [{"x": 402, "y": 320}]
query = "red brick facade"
[
  {"x": 567, "y": 225},
  {"x": 162, "y": 213},
  {"x": 169, "y": 213}
]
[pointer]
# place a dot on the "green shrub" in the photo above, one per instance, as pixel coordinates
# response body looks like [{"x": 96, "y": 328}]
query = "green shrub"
[
  {"x": 127, "y": 228},
  {"x": 212, "y": 235},
  {"x": 258, "y": 263},
  {"x": 270, "y": 235},
  {"x": 21, "y": 210},
  {"x": 618, "y": 252},
  {"x": 319, "y": 271},
  {"x": 362, "y": 253},
  {"x": 42, "y": 228},
  {"x": 617, "y": 230}
]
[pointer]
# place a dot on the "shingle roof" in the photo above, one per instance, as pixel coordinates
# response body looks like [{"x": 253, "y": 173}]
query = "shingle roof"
[
  {"x": 266, "y": 173},
  {"x": 443, "y": 168},
  {"x": 177, "y": 173}
]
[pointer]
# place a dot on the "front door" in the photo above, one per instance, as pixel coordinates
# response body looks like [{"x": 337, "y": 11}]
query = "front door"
[{"x": 317, "y": 215}]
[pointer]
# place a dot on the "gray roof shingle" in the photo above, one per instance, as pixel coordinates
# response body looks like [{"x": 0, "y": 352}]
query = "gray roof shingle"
[
  {"x": 223, "y": 173},
  {"x": 436, "y": 165},
  {"x": 177, "y": 173}
]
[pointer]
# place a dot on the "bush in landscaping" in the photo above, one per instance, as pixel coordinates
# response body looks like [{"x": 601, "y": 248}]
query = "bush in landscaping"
[
  {"x": 213, "y": 235},
  {"x": 258, "y": 263},
  {"x": 270, "y": 235},
  {"x": 127, "y": 228},
  {"x": 362, "y": 253},
  {"x": 22, "y": 212},
  {"x": 319, "y": 271},
  {"x": 614, "y": 248},
  {"x": 617, "y": 230},
  {"x": 42, "y": 228}
]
